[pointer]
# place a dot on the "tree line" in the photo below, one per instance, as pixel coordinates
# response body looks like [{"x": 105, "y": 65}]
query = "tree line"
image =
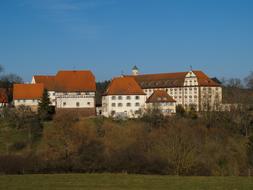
[{"x": 209, "y": 144}]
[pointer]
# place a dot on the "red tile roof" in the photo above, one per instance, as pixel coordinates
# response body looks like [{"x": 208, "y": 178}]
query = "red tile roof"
[
  {"x": 75, "y": 81},
  {"x": 160, "y": 96},
  {"x": 204, "y": 80},
  {"x": 27, "y": 91},
  {"x": 3, "y": 96},
  {"x": 69, "y": 81},
  {"x": 124, "y": 86},
  {"x": 166, "y": 80},
  {"x": 48, "y": 81}
]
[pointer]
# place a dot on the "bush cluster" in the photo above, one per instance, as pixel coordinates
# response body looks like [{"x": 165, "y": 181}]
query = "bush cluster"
[{"x": 212, "y": 144}]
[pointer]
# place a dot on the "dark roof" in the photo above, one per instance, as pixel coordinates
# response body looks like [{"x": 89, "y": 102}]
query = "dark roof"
[
  {"x": 166, "y": 80},
  {"x": 160, "y": 96},
  {"x": 135, "y": 68}
]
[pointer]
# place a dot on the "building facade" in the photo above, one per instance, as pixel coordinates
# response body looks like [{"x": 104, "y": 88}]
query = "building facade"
[
  {"x": 193, "y": 89},
  {"x": 74, "y": 90},
  {"x": 123, "y": 98},
  {"x": 162, "y": 101},
  {"x": 70, "y": 89},
  {"x": 27, "y": 95}
]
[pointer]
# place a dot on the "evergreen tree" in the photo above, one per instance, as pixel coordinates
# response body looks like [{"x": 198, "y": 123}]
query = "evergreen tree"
[{"x": 45, "y": 109}]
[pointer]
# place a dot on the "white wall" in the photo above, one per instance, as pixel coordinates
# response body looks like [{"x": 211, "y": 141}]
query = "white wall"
[
  {"x": 167, "y": 108},
  {"x": 211, "y": 97},
  {"x": 52, "y": 97},
  {"x": 33, "y": 104},
  {"x": 26, "y": 102},
  {"x": 123, "y": 106},
  {"x": 75, "y": 100}
]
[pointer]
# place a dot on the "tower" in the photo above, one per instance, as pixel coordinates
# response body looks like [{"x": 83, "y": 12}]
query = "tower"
[{"x": 135, "y": 70}]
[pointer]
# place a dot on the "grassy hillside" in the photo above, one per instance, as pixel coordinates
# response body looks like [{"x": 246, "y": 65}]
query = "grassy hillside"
[{"x": 121, "y": 181}]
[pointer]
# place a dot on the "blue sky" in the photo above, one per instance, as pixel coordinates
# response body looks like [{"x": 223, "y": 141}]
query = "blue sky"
[{"x": 110, "y": 36}]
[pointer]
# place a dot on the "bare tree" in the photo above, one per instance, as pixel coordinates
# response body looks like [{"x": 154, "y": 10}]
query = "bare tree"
[{"x": 249, "y": 80}]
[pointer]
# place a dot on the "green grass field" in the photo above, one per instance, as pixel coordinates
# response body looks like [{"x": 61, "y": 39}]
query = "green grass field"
[{"x": 122, "y": 181}]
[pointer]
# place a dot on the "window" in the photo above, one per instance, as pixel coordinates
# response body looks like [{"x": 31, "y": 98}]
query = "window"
[
  {"x": 137, "y": 97},
  {"x": 24, "y": 100},
  {"x": 137, "y": 104},
  {"x": 128, "y": 97},
  {"x": 34, "y": 100},
  {"x": 78, "y": 104},
  {"x": 64, "y": 103},
  {"x": 113, "y": 98},
  {"x": 113, "y": 104},
  {"x": 120, "y": 97},
  {"x": 78, "y": 93},
  {"x": 119, "y": 104},
  {"x": 18, "y": 100},
  {"x": 128, "y": 104},
  {"x": 88, "y": 103}
]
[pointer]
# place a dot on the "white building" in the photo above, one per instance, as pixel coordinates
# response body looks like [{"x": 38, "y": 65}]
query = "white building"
[
  {"x": 27, "y": 95},
  {"x": 162, "y": 101},
  {"x": 70, "y": 89},
  {"x": 189, "y": 89},
  {"x": 123, "y": 98},
  {"x": 67, "y": 90}
]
